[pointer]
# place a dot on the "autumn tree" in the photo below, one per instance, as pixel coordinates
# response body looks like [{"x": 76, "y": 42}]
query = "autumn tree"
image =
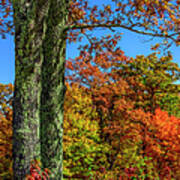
[
  {"x": 123, "y": 90},
  {"x": 152, "y": 80},
  {"x": 41, "y": 31}
]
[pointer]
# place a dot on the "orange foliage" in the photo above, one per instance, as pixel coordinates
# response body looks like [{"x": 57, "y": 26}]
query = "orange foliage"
[
  {"x": 168, "y": 148},
  {"x": 6, "y": 130}
]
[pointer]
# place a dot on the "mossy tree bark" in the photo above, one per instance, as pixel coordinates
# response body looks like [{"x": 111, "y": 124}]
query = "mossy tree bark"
[
  {"x": 39, "y": 84},
  {"x": 53, "y": 89}
]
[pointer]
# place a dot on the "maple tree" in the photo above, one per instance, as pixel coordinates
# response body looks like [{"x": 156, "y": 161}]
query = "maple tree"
[
  {"x": 41, "y": 31},
  {"x": 167, "y": 151}
]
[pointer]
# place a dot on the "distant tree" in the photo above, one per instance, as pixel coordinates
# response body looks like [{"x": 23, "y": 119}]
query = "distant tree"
[{"x": 152, "y": 80}]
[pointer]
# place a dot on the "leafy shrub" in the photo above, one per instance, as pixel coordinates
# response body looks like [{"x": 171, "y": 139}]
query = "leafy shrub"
[{"x": 36, "y": 172}]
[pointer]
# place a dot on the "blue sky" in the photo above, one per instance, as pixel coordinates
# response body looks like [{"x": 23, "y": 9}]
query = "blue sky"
[{"x": 132, "y": 44}]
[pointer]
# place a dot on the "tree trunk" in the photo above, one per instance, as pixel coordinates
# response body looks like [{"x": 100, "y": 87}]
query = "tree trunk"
[
  {"x": 53, "y": 89},
  {"x": 39, "y": 84}
]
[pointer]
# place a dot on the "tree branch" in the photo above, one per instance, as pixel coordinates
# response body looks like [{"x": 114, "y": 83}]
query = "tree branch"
[{"x": 84, "y": 26}]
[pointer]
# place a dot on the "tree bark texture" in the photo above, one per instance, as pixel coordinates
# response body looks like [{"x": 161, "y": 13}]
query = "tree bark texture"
[
  {"x": 53, "y": 89},
  {"x": 39, "y": 85}
]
